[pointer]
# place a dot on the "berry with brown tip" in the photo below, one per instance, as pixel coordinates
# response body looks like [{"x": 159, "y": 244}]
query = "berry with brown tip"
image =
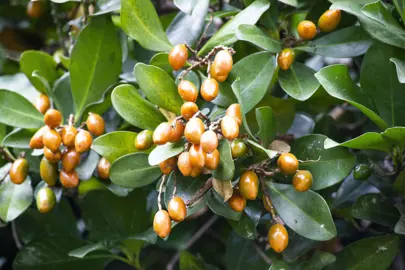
[
  {"x": 48, "y": 172},
  {"x": 35, "y": 9},
  {"x": 46, "y": 200},
  {"x": 69, "y": 179},
  {"x": 83, "y": 141},
  {"x": 222, "y": 65},
  {"x": 184, "y": 164},
  {"x": 37, "y": 141},
  {"x": 329, "y": 20},
  {"x": 177, "y": 130},
  {"x": 52, "y": 140},
  {"x": 196, "y": 171},
  {"x": 177, "y": 209},
  {"x": 19, "y": 171},
  {"x": 188, "y": 91},
  {"x": 229, "y": 127},
  {"x": 42, "y": 103},
  {"x": 287, "y": 163},
  {"x": 188, "y": 109},
  {"x": 95, "y": 124},
  {"x": 144, "y": 140},
  {"x": 238, "y": 148},
  {"x": 70, "y": 160},
  {"x": 209, "y": 89},
  {"x": 237, "y": 202},
  {"x": 178, "y": 56},
  {"x": 286, "y": 58},
  {"x": 278, "y": 238},
  {"x": 168, "y": 165},
  {"x": 302, "y": 180},
  {"x": 209, "y": 141},
  {"x": 162, "y": 224},
  {"x": 103, "y": 168},
  {"x": 249, "y": 185},
  {"x": 197, "y": 156},
  {"x": 306, "y": 30},
  {"x": 214, "y": 74},
  {"x": 194, "y": 130},
  {"x": 162, "y": 133},
  {"x": 53, "y": 118},
  {"x": 234, "y": 111},
  {"x": 52, "y": 157},
  {"x": 212, "y": 160},
  {"x": 68, "y": 135}
]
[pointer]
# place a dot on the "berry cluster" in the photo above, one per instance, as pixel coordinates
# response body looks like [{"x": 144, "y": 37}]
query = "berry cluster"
[
  {"x": 63, "y": 143},
  {"x": 307, "y": 31}
]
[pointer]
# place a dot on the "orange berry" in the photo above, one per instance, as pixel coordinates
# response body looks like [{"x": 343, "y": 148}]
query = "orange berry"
[
  {"x": 234, "y": 111},
  {"x": 53, "y": 118},
  {"x": 68, "y": 136},
  {"x": 194, "y": 130},
  {"x": 329, "y": 20},
  {"x": 212, "y": 160},
  {"x": 168, "y": 165},
  {"x": 229, "y": 127},
  {"x": 214, "y": 72},
  {"x": 103, "y": 168},
  {"x": 177, "y": 209},
  {"x": 42, "y": 103},
  {"x": 95, "y": 124},
  {"x": 209, "y": 89},
  {"x": 237, "y": 202},
  {"x": 162, "y": 224},
  {"x": 46, "y": 200},
  {"x": 184, "y": 164},
  {"x": 188, "y": 109},
  {"x": 48, "y": 171},
  {"x": 209, "y": 141},
  {"x": 19, "y": 171},
  {"x": 306, "y": 30},
  {"x": 70, "y": 160},
  {"x": 162, "y": 133},
  {"x": 223, "y": 63},
  {"x": 287, "y": 163},
  {"x": 302, "y": 180},
  {"x": 83, "y": 141},
  {"x": 188, "y": 91},
  {"x": 69, "y": 179},
  {"x": 36, "y": 141},
  {"x": 35, "y": 9},
  {"x": 278, "y": 238},
  {"x": 52, "y": 157},
  {"x": 286, "y": 58},
  {"x": 196, "y": 171},
  {"x": 177, "y": 131},
  {"x": 197, "y": 156},
  {"x": 178, "y": 56},
  {"x": 52, "y": 140},
  {"x": 249, "y": 185},
  {"x": 144, "y": 140}
]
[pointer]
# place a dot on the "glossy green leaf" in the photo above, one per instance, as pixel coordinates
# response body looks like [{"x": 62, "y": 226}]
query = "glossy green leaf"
[
  {"x": 400, "y": 5},
  {"x": 347, "y": 42},
  {"x": 267, "y": 125},
  {"x": 297, "y": 246},
  {"x": 161, "y": 60},
  {"x": 226, "y": 167},
  {"x": 298, "y": 81},
  {"x": 31, "y": 61},
  {"x": 225, "y": 97},
  {"x": 109, "y": 217},
  {"x": 87, "y": 166},
  {"x": 395, "y": 135},
  {"x": 18, "y": 138},
  {"x": 134, "y": 109},
  {"x": 375, "y": 208},
  {"x": 115, "y": 144},
  {"x": 328, "y": 166},
  {"x": 14, "y": 199},
  {"x": 381, "y": 83},
  {"x": 256, "y": 36},
  {"x": 216, "y": 203},
  {"x": 187, "y": 28},
  {"x": 190, "y": 262},
  {"x": 337, "y": 82},
  {"x": 307, "y": 213},
  {"x": 374, "y": 253},
  {"x": 186, "y": 6},
  {"x": 158, "y": 87},
  {"x": 400, "y": 226},
  {"x": 95, "y": 63},
  {"x": 81, "y": 252},
  {"x": 244, "y": 227},
  {"x": 163, "y": 152},
  {"x": 226, "y": 34},
  {"x": 16, "y": 111},
  {"x": 20, "y": 84},
  {"x": 3, "y": 133},
  {"x": 255, "y": 72},
  {"x": 270, "y": 153},
  {"x": 141, "y": 22},
  {"x": 52, "y": 252},
  {"x": 369, "y": 141},
  {"x": 134, "y": 171},
  {"x": 62, "y": 96},
  {"x": 319, "y": 261},
  {"x": 400, "y": 65}
]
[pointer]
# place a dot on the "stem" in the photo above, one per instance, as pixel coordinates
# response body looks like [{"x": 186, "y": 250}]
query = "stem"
[
  {"x": 261, "y": 253},
  {"x": 7, "y": 154},
  {"x": 200, "y": 192},
  {"x": 205, "y": 32},
  {"x": 160, "y": 192},
  {"x": 175, "y": 185},
  {"x": 111, "y": 256},
  {"x": 267, "y": 198},
  {"x": 193, "y": 239}
]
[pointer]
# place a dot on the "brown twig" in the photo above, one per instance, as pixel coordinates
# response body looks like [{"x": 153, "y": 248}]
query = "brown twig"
[
  {"x": 7, "y": 154},
  {"x": 261, "y": 253},
  {"x": 200, "y": 193},
  {"x": 205, "y": 31},
  {"x": 285, "y": 137},
  {"x": 267, "y": 198}
]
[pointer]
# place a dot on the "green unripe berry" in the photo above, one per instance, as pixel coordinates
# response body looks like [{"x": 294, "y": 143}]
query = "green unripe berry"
[{"x": 362, "y": 172}]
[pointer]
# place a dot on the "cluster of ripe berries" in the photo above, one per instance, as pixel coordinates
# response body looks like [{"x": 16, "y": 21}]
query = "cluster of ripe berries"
[
  {"x": 248, "y": 189},
  {"x": 59, "y": 143},
  {"x": 307, "y": 31},
  {"x": 203, "y": 139}
]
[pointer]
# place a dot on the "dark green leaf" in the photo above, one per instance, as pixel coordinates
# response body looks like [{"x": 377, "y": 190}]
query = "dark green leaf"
[
  {"x": 236, "y": 88},
  {"x": 62, "y": 96},
  {"x": 374, "y": 253},
  {"x": 87, "y": 166},
  {"x": 14, "y": 199},
  {"x": 337, "y": 82},
  {"x": 347, "y": 42},
  {"x": 226, "y": 34},
  {"x": 333, "y": 164},
  {"x": 190, "y": 262},
  {"x": 400, "y": 65},
  {"x": 115, "y": 144},
  {"x": 163, "y": 152},
  {"x": 369, "y": 140},
  {"x": 216, "y": 203},
  {"x": 226, "y": 167},
  {"x": 52, "y": 252},
  {"x": 31, "y": 61},
  {"x": 134, "y": 109},
  {"x": 256, "y": 36},
  {"x": 400, "y": 226},
  {"x": 395, "y": 135},
  {"x": 244, "y": 227},
  {"x": 81, "y": 252},
  {"x": 161, "y": 60},
  {"x": 297, "y": 246},
  {"x": 109, "y": 217},
  {"x": 267, "y": 125},
  {"x": 141, "y": 22},
  {"x": 158, "y": 87},
  {"x": 399, "y": 184},
  {"x": 16, "y": 111},
  {"x": 134, "y": 171},
  {"x": 307, "y": 213},
  {"x": 95, "y": 63},
  {"x": 18, "y": 138},
  {"x": 375, "y": 208},
  {"x": 270, "y": 153},
  {"x": 225, "y": 97},
  {"x": 319, "y": 261}
]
